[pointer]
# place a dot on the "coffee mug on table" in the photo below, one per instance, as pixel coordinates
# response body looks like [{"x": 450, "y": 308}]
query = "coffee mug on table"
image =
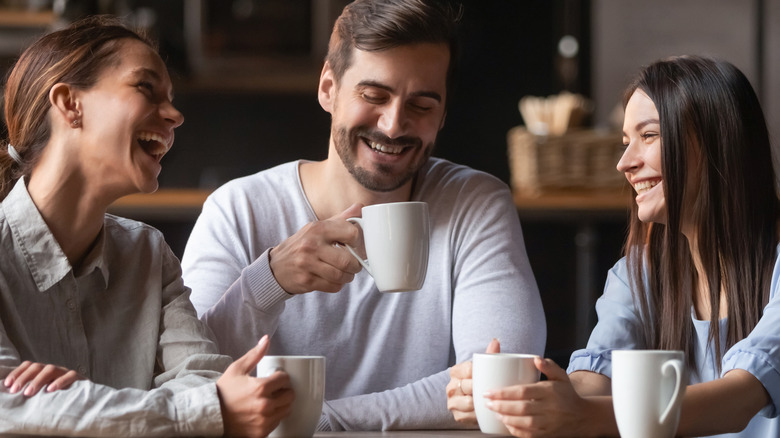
[
  {"x": 396, "y": 237},
  {"x": 491, "y": 371},
  {"x": 307, "y": 376},
  {"x": 647, "y": 392}
]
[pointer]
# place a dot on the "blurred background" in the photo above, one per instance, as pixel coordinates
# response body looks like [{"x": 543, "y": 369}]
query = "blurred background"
[{"x": 246, "y": 71}]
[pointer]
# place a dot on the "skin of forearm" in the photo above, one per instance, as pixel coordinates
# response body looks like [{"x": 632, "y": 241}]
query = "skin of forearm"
[
  {"x": 721, "y": 406},
  {"x": 588, "y": 383}
]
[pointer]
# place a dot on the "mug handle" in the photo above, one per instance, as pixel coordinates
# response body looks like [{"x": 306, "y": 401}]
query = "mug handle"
[
  {"x": 676, "y": 365},
  {"x": 359, "y": 222}
]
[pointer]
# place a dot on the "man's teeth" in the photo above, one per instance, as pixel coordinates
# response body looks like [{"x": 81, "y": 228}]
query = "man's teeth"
[
  {"x": 385, "y": 149},
  {"x": 644, "y": 186}
]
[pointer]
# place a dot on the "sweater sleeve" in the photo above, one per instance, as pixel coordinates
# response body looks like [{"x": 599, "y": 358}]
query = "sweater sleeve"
[{"x": 218, "y": 266}]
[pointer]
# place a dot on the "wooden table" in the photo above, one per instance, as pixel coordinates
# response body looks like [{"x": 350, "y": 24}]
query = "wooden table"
[{"x": 405, "y": 434}]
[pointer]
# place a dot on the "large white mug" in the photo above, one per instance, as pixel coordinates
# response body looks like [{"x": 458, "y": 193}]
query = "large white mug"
[
  {"x": 491, "y": 371},
  {"x": 396, "y": 236},
  {"x": 647, "y": 392},
  {"x": 307, "y": 376}
]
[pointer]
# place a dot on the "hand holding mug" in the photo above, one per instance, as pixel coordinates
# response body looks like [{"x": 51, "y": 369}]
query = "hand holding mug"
[
  {"x": 311, "y": 259},
  {"x": 460, "y": 400},
  {"x": 253, "y": 406}
]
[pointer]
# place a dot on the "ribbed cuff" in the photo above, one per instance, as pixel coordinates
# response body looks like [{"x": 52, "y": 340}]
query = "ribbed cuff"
[{"x": 263, "y": 285}]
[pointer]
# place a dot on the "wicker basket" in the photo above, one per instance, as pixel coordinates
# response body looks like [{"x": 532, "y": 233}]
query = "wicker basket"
[{"x": 580, "y": 160}]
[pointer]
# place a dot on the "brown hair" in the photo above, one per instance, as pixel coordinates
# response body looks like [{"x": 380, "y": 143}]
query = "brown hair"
[
  {"x": 706, "y": 109},
  {"x": 376, "y": 25},
  {"x": 76, "y": 56}
]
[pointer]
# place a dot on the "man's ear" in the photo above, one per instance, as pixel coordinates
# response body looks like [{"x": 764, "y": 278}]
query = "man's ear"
[
  {"x": 64, "y": 102},
  {"x": 326, "y": 93}
]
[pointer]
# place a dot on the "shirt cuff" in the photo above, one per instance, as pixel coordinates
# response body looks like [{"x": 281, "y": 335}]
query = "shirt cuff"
[
  {"x": 762, "y": 369},
  {"x": 198, "y": 411},
  {"x": 588, "y": 360},
  {"x": 263, "y": 285}
]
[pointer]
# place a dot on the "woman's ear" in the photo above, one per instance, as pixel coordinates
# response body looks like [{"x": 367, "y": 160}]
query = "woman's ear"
[
  {"x": 65, "y": 104},
  {"x": 326, "y": 92}
]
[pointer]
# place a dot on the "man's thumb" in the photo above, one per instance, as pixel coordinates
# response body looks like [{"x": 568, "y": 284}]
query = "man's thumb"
[{"x": 494, "y": 346}]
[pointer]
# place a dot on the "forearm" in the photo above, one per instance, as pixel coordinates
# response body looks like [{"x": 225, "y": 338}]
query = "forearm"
[
  {"x": 419, "y": 405},
  {"x": 89, "y": 409},
  {"x": 722, "y": 405},
  {"x": 589, "y": 383}
]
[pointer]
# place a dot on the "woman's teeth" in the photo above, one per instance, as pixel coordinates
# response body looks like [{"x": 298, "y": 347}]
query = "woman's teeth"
[
  {"x": 152, "y": 143},
  {"x": 644, "y": 186},
  {"x": 386, "y": 149}
]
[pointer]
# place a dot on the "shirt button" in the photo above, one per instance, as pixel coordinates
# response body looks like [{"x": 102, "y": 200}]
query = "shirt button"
[
  {"x": 82, "y": 370},
  {"x": 71, "y": 305}
]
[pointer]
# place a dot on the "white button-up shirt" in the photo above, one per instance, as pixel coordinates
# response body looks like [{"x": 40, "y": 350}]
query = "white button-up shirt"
[{"x": 124, "y": 321}]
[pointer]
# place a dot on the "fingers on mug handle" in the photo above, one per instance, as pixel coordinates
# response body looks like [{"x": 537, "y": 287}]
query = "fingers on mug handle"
[{"x": 359, "y": 222}]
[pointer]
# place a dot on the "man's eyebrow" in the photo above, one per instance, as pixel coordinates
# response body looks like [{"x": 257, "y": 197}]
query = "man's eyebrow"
[{"x": 430, "y": 94}]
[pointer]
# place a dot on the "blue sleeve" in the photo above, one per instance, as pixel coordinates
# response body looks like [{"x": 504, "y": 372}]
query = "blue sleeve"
[
  {"x": 759, "y": 353},
  {"x": 618, "y": 325}
]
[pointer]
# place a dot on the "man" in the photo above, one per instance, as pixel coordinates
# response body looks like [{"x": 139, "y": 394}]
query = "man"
[{"x": 267, "y": 247}]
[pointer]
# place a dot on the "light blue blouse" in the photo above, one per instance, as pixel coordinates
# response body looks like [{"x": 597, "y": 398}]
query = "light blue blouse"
[{"x": 619, "y": 327}]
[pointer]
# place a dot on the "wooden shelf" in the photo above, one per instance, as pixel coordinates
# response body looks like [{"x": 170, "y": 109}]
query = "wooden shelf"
[
  {"x": 22, "y": 18},
  {"x": 185, "y": 204},
  {"x": 165, "y": 204},
  {"x": 567, "y": 204}
]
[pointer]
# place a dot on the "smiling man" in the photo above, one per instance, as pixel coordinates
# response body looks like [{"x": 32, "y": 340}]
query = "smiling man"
[{"x": 265, "y": 255}]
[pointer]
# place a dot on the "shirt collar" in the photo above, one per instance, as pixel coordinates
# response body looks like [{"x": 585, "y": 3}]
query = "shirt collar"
[{"x": 45, "y": 259}]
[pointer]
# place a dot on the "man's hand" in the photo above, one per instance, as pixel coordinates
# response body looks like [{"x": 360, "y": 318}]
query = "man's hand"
[
  {"x": 37, "y": 375},
  {"x": 460, "y": 400},
  {"x": 312, "y": 259},
  {"x": 253, "y": 406}
]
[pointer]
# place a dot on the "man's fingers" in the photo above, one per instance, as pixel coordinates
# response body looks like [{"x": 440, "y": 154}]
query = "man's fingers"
[
  {"x": 461, "y": 370},
  {"x": 353, "y": 210},
  {"x": 494, "y": 346},
  {"x": 466, "y": 387}
]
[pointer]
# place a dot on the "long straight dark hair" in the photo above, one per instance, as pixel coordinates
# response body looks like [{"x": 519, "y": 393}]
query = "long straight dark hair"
[{"x": 713, "y": 132}]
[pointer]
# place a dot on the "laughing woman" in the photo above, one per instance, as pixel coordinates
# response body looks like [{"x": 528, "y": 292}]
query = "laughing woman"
[
  {"x": 701, "y": 272},
  {"x": 89, "y": 116}
]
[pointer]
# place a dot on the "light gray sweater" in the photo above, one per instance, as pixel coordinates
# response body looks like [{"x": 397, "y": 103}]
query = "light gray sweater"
[{"x": 387, "y": 354}]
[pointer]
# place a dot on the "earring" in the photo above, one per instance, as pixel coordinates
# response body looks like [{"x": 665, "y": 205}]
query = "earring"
[{"x": 75, "y": 123}]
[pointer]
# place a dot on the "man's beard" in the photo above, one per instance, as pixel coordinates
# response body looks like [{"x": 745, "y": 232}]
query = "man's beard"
[{"x": 381, "y": 179}]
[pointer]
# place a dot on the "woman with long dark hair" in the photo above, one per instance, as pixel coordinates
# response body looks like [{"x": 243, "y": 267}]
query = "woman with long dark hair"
[
  {"x": 700, "y": 272},
  {"x": 89, "y": 116}
]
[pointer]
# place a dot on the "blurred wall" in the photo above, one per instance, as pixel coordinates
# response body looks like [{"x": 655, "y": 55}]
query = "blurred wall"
[{"x": 627, "y": 34}]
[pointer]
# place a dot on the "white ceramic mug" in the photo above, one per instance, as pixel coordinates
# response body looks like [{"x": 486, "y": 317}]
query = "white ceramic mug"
[
  {"x": 647, "y": 392},
  {"x": 396, "y": 237},
  {"x": 492, "y": 371},
  {"x": 307, "y": 376}
]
